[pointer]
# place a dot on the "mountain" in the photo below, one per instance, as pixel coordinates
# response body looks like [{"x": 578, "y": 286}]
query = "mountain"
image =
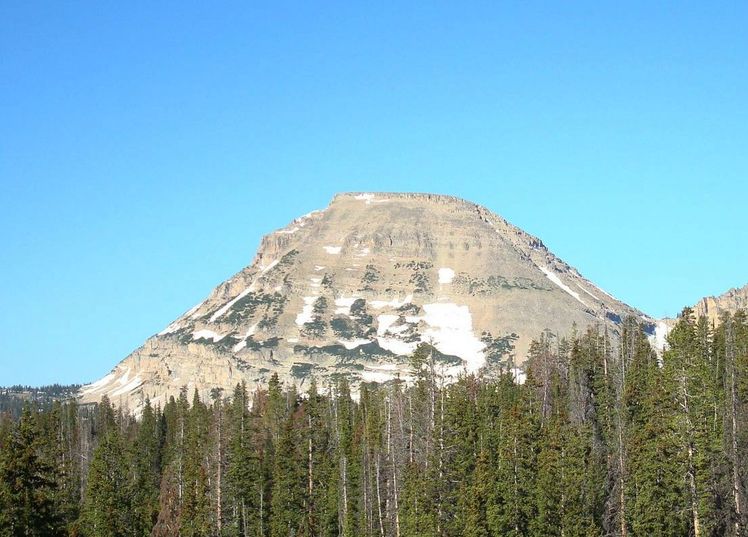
[
  {"x": 729, "y": 302},
  {"x": 710, "y": 307},
  {"x": 354, "y": 288}
]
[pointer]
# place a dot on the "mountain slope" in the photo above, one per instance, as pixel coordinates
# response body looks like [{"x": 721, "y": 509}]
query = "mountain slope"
[{"x": 354, "y": 288}]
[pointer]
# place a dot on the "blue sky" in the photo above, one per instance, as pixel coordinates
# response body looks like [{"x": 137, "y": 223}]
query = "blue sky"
[{"x": 146, "y": 147}]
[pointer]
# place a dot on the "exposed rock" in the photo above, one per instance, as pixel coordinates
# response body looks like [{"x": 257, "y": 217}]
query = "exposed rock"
[
  {"x": 729, "y": 302},
  {"x": 353, "y": 289}
]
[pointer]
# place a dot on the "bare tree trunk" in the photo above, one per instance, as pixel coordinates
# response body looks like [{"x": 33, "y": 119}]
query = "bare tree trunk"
[
  {"x": 621, "y": 481},
  {"x": 262, "y": 509},
  {"x": 691, "y": 469},
  {"x": 219, "y": 522},
  {"x": 379, "y": 500},
  {"x": 344, "y": 479},
  {"x": 731, "y": 371},
  {"x": 310, "y": 483},
  {"x": 393, "y": 462},
  {"x": 410, "y": 443},
  {"x": 625, "y": 359},
  {"x": 440, "y": 513}
]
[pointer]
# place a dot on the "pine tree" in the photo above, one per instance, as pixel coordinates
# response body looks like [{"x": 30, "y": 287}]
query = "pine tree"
[
  {"x": 512, "y": 508},
  {"x": 106, "y": 510},
  {"x": 28, "y": 485},
  {"x": 196, "y": 517},
  {"x": 289, "y": 490},
  {"x": 654, "y": 487},
  {"x": 146, "y": 472},
  {"x": 692, "y": 385}
]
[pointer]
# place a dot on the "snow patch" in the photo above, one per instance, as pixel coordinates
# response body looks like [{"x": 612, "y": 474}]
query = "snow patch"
[
  {"x": 353, "y": 343},
  {"x": 230, "y": 303},
  {"x": 662, "y": 330},
  {"x": 317, "y": 268},
  {"x": 555, "y": 279},
  {"x": 451, "y": 332},
  {"x": 311, "y": 213},
  {"x": 306, "y": 312},
  {"x": 397, "y": 346},
  {"x": 207, "y": 334},
  {"x": 370, "y": 198},
  {"x": 363, "y": 252},
  {"x": 191, "y": 312},
  {"x": 127, "y": 388},
  {"x": 603, "y": 291},
  {"x": 270, "y": 266},
  {"x": 376, "y": 376},
  {"x": 446, "y": 275},
  {"x": 344, "y": 304},
  {"x": 173, "y": 327},
  {"x": 518, "y": 375},
  {"x": 394, "y": 303},
  {"x": 299, "y": 223},
  {"x": 124, "y": 378},
  {"x": 98, "y": 384},
  {"x": 243, "y": 343},
  {"x": 385, "y": 321},
  {"x": 586, "y": 291},
  {"x": 333, "y": 250}
]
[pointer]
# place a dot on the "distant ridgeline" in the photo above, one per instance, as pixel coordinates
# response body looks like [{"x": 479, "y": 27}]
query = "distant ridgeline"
[
  {"x": 598, "y": 440},
  {"x": 12, "y": 398}
]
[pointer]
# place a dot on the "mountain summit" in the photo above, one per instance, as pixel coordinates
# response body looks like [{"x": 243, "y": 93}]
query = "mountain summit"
[{"x": 354, "y": 288}]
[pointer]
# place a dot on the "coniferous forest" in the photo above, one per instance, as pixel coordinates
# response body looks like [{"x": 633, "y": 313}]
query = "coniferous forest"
[{"x": 600, "y": 440}]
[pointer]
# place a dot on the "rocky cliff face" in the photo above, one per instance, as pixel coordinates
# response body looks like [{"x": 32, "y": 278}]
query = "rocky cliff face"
[
  {"x": 710, "y": 307},
  {"x": 730, "y": 302},
  {"x": 354, "y": 288}
]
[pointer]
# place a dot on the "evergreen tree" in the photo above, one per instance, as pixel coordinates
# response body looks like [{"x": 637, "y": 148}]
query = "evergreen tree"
[
  {"x": 146, "y": 472},
  {"x": 196, "y": 517},
  {"x": 654, "y": 487},
  {"x": 28, "y": 484},
  {"x": 106, "y": 510},
  {"x": 289, "y": 492}
]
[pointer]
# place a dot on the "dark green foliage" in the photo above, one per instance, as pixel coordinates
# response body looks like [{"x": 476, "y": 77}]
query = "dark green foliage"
[
  {"x": 495, "y": 284},
  {"x": 146, "y": 472},
  {"x": 28, "y": 485},
  {"x": 498, "y": 349},
  {"x": 371, "y": 275},
  {"x": 598, "y": 441},
  {"x": 317, "y": 327},
  {"x": 13, "y": 398},
  {"x": 106, "y": 506}
]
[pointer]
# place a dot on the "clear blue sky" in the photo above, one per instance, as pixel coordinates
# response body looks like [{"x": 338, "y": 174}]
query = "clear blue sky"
[{"x": 145, "y": 147}]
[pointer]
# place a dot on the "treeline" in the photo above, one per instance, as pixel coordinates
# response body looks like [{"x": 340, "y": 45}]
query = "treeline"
[
  {"x": 13, "y": 398},
  {"x": 598, "y": 441}
]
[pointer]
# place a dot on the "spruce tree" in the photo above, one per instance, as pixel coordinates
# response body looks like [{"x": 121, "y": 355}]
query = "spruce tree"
[
  {"x": 146, "y": 472},
  {"x": 28, "y": 484},
  {"x": 106, "y": 510}
]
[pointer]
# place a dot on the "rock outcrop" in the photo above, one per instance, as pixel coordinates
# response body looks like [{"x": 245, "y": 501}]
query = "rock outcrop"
[{"x": 730, "y": 302}]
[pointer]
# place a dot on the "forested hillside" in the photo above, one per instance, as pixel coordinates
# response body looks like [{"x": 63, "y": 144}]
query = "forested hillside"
[
  {"x": 597, "y": 441},
  {"x": 13, "y": 398}
]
